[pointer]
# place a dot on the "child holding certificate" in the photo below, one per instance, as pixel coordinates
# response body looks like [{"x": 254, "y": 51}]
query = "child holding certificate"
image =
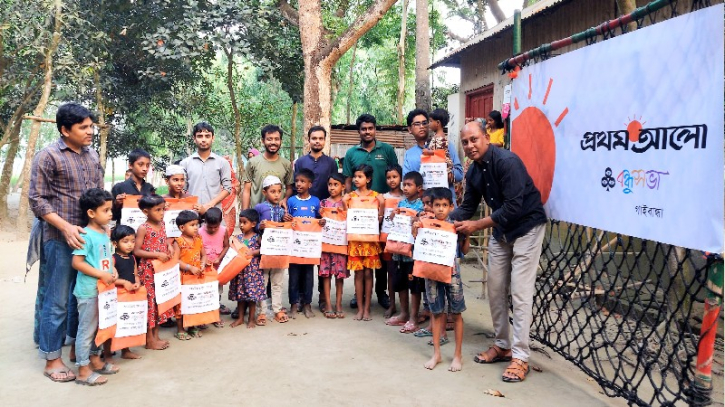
[{"x": 333, "y": 264}]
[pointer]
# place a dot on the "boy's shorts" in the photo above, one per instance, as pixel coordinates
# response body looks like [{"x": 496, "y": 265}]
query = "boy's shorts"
[
  {"x": 404, "y": 279},
  {"x": 437, "y": 294}
]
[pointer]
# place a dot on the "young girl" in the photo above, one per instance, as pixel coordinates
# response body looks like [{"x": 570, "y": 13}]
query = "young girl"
[
  {"x": 363, "y": 256},
  {"x": 189, "y": 250},
  {"x": 495, "y": 128},
  {"x": 151, "y": 244},
  {"x": 124, "y": 238},
  {"x": 393, "y": 177},
  {"x": 248, "y": 286},
  {"x": 333, "y": 264},
  {"x": 216, "y": 243}
]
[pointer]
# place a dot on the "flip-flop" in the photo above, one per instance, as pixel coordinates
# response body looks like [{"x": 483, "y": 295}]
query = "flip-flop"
[
  {"x": 422, "y": 333},
  {"x": 442, "y": 341},
  {"x": 107, "y": 369},
  {"x": 330, "y": 314},
  {"x": 340, "y": 314},
  {"x": 394, "y": 321},
  {"x": 182, "y": 336},
  {"x": 91, "y": 380},
  {"x": 69, "y": 375},
  {"x": 408, "y": 328}
]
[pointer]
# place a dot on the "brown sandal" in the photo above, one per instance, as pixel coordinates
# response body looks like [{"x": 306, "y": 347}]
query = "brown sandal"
[
  {"x": 492, "y": 355},
  {"x": 281, "y": 317},
  {"x": 518, "y": 369},
  {"x": 261, "y": 319}
]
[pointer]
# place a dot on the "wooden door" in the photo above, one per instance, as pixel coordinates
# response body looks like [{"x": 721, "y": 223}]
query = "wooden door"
[{"x": 479, "y": 102}]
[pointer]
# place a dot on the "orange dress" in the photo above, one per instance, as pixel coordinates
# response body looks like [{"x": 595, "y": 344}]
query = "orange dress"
[
  {"x": 363, "y": 255},
  {"x": 190, "y": 253}
]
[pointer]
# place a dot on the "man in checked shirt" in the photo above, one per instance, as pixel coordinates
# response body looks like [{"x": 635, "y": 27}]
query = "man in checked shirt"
[{"x": 59, "y": 175}]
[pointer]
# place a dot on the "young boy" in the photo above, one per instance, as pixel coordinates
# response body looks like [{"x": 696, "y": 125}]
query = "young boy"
[
  {"x": 176, "y": 180},
  {"x": 403, "y": 278},
  {"x": 439, "y": 293},
  {"x": 93, "y": 262},
  {"x": 139, "y": 162},
  {"x": 270, "y": 210},
  {"x": 301, "y": 276}
]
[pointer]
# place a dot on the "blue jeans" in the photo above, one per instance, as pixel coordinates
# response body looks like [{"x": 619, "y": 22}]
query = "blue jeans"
[
  {"x": 301, "y": 280},
  {"x": 60, "y": 278},
  {"x": 87, "y": 328}
]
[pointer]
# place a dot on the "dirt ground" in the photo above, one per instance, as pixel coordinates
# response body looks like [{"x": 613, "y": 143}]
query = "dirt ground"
[{"x": 323, "y": 362}]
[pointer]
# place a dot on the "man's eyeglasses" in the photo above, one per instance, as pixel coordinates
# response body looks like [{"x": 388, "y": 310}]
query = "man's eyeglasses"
[{"x": 420, "y": 124}]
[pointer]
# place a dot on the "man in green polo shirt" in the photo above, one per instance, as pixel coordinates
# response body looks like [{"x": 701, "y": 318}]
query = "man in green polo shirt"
[
  {"x": 378, "y": 155},
  {"x": 371, "y": 152}
]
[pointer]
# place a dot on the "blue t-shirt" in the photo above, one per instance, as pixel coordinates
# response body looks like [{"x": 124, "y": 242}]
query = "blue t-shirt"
[
  {"x": 98, "y": 253},
  {"x": 267, "y": 211},
  {"x": 411, "y": 162},
  {"x": 303, "y": 208}
]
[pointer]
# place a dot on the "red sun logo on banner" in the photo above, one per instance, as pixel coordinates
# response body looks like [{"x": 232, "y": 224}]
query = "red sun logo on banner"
[{"x": 532, "y": 139}]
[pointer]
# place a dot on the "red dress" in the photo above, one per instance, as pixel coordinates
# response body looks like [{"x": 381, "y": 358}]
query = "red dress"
[{"x": 154, "y": 241}]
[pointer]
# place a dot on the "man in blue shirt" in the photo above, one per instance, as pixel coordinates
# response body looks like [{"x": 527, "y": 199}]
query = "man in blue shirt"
[
  {"x": 318, "y": 162},
  {"x": 418, "y": 127}
]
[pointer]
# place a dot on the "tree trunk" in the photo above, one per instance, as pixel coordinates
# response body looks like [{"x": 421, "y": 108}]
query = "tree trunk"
[
  {"x": 627, "y": 7},
  {"x": 7, "y": 174},
  {"x": 400, "y": 100},
  {"x": 113, "y": 172},
  {"x": 422, "y": 55},
  {"x": 316, "y": 108},
  {"x": 351, "y": 82},
  {"x": 22, "y": 225},
  {"x": 293, "y": 133},
  {"x": 496, "y": 11},
  {"x": 103, "y": 134},
  {"x": 235, "y": 108}
]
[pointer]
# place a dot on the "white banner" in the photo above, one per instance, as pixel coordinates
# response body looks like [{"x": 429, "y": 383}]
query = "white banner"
[
  {"x": 362, "y": 221},
  {"x": 276, "y": 241},
  {"x": 198, "y": 298},
  {"x": 435, "y": 246},
  {"x": 170, "y": 222},
  {"x": 167, "y": 284},
  {"x": 434, "y": 175},
  {"x": 107, "y": 308},
  {"x": 133, "y": 217},
  {"x": 402, "y": 230},
  {"x": 387, "y": 222},
  {"x": 626, "y": 135},
  {"x": 231, "y": 254},
  {"x": 307, "y": 245},
  {"x": 334, "y": 232},
  {"x": 132, "y": 318}
]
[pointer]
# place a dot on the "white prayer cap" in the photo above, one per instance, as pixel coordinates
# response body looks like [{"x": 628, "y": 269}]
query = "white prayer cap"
[
  {"x": 175, "y": 170},
  {"x": 270, "y": 180}
]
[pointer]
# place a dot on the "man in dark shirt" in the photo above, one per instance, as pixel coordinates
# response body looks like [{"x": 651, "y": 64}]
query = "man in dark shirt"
[
  {"x": 518, "y": 221},
  {"x": 139, "y": 162},
  {"x": 319, "y": 163}
]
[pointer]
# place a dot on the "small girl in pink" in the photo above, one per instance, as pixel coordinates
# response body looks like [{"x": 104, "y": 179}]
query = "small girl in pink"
[
  {"x": 216, "y": 244},
  {"x": 334, "y": 264}
]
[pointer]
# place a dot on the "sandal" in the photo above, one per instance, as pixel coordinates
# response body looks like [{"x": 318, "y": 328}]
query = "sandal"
[
  {"x": 223, "y": 310},
  {"x": 281, "y": 317},
  {"x": 330, "y": 315},
  {"x": 422, "y": 333},
  {"x": 94, "y": 379},
  {"x": 518, "y": 369},
  {"x": 492, "y": 355},
  {"x": 195, "y": 332},
  {"x": 395, "y": 321},
  {"x": 444, "y": 340},
  {"x": 219, "y": 324},
  {"x": 182, "y": 336},
  {"x": 340, "y": 314},
  {"x": 69, "y": 375},
  {"x": 107, "y": 369},
  {"x": 408, "y": 328},
  {"x": 261, "y": 319}
]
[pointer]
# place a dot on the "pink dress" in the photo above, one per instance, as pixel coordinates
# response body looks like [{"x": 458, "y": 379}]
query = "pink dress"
[
  {"x": 213, "y": 244},
  {"x": 333, "y": 264},
  {"x": 154, "y": 241}
]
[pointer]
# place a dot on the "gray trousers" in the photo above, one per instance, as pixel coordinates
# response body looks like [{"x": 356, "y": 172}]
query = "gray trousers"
[{"x": 512, "y": 266}]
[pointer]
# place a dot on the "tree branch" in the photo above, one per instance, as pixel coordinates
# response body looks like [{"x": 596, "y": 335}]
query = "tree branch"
[
  {"x": 367, "y": 20},
  {"x": 344, "y": 5},
  {"x": 288, "y": 12},
  {"x": 496, "y": 11},
  {"x": 455, "y": 36}
]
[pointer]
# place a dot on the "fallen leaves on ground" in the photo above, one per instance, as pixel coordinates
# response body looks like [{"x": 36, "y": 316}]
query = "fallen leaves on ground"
[{"x": 495, "y": 393}]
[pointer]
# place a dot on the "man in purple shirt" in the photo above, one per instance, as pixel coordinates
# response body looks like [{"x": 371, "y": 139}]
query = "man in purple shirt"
[{"x": 59, "y": 175}]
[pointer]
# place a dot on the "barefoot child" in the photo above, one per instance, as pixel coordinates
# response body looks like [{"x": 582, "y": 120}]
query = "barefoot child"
[
  {"x": 301, "y": 276},
  {"x": 151, "y": 244},
  {"x": 403, "y": 278},
  {"x": 216, "y": 243},
  {"x": 363, "y": 257},
  {"x": 248, "y": 286},
  {"x": 124, "y": 238},
  {"x": 189, "y": 250},
  {"x": 270, "y": 210},
  {"x": 439, "y": 293},
  {"x": 394, "y": 179},
  {"x": 333, "y": 264},
  {"x": 93, "y": 261}
]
